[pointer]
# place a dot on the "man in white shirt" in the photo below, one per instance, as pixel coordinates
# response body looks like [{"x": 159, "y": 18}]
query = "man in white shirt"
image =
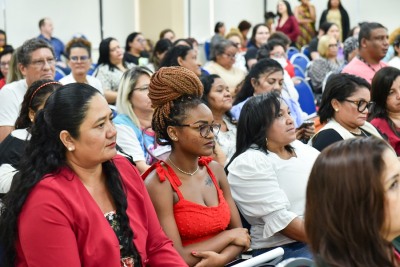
[{"x": 36, "y": 61}]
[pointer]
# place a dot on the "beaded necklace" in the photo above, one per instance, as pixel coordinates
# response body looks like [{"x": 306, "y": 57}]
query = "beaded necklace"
[{"x": 369, "y": 65}]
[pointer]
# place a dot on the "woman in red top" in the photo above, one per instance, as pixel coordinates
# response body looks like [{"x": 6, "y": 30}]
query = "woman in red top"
[
  {"x": 287, "y": 22},
  {"x": 75, "y": 203},
  {"x": 190, "y": 193}
]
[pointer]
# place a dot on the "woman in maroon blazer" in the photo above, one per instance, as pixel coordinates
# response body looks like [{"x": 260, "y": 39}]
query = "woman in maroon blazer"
[
  {"x": 76, "y": 203},
  {"x": 287, "y": 22}
]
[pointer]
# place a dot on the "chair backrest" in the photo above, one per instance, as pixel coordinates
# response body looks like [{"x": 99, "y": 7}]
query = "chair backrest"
[
  {"x": 59, "y": 74},
  {"x": 298, "y": 71},
  {"x": 296, "y": 262},
  {"x": 306, "y": 51},
  {"x": 292, "y": 51},
  {"x": 306, "y": 96},
  {"x": 207, "y": 47},
  {"x": 301, "y": 60}
]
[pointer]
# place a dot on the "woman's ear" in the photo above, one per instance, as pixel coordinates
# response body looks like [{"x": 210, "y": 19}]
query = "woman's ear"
[
  {"x": 180, "y": 61},
  {"x": 335, "y": 104},
  {"x": 31, "y": 114},
  {"x": 67, "y": 140},
  {"x": 253, "y": 82},
  {"x": 172, "y": 133}
]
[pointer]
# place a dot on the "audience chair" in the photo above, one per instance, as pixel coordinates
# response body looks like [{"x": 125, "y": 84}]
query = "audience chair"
[
  {"x": 306, "y": 96},
  {"x": 292, "y": 51},
  {"x": 207, "y": 48},
  {"x": 298, "y": 71},
  {"x": 306, "y": 51},
  {"x": 59, "y": 74},
  {"x": 301, "y": 60}
]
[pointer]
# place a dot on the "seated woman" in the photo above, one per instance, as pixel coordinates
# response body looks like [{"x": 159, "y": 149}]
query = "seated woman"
[
  {"x": 12, "y": 148},
  {"x": 223, "y": 60},
  {"x": 83, "y": 205},
  {"x": 184, "y": 56},
  {"x": 78, "y": 51},
  {"x": 160, "y": 49},
  {"x": 110, "y": 67},
  {"x": 135, "y": 49},
  {"x": 217, "y": 97},
  {"x": 133, "y": 122},
  {"x": 385, "y": 115},
  {"x": 266, "y": 76},
  {"x": 190, "y": 192},
  {"x": 344, "y": 108},
  {"x": 353, "y": 199},
  {"x": 268, "y": 176},
  {"x": 259, "y": 36},
  {"x": 327, "y": 62}
]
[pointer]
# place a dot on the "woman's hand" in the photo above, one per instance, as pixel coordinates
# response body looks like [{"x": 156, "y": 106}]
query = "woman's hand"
[
  {"x": 240, "y": 237},
  {"x": 309, "y": 131},
  {"x": 209, "y": 259}
]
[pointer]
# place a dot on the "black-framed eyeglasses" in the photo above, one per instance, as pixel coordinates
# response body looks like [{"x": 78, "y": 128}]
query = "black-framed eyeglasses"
[
  {"x": 361, "y": 104},
  {"x": 204, "y": 129}
]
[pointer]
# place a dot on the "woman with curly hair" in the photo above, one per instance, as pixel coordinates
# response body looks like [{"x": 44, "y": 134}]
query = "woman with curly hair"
[{"x": 189, "y": 191}]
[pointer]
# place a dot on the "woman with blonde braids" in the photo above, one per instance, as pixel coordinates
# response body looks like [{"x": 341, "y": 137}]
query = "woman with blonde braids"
[{"x": 189, "y": 191}]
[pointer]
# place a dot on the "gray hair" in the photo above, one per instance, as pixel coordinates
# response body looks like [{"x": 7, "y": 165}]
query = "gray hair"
[
  {"x": 220, "y": 48},
  {"x": 349, "y": 45},
  {"x": 28, "y": 47}
]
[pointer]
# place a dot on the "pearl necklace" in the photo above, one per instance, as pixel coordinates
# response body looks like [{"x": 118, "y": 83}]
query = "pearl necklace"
[{"x": 182, "y": 171}]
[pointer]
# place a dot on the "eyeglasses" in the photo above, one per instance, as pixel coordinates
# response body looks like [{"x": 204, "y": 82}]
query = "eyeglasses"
[
  {"x": 230, "y": 55},
  {"x": 4, "y": 64},
  {"x": 361, "y": 104},
  {"x": 79, "y": 58},
  {"x": 204, "y": 129},
  {"x": 41, "y": 62},
  {"x": 332, "y": 45},
  {"x": 141, "y": 89}
]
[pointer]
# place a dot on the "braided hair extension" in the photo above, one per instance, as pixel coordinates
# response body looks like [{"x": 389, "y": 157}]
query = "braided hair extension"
[{"x": 172, "y": 90}]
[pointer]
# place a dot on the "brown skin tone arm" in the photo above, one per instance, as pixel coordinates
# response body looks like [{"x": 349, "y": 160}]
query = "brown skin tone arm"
[
  {"x": 295, "y": 230},
  {"x": 5, "y": 131},
  {"x": 161, "y": 195},
  {"x": 110, "y": 96}
]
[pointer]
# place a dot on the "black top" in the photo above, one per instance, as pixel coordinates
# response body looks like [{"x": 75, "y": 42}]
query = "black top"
[
  {"x": 133, "y": 59},
  {"x": 11, "y": 150},
  {"x": 313, "y": 46},
  {"x": 329, "y": 136}
]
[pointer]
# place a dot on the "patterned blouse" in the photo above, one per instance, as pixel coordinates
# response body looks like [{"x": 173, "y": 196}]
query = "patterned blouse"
[
  {"x": 127, "y": 259},
  {"x": 227, "y": 140},
  {"x": 110, "y": 78}
]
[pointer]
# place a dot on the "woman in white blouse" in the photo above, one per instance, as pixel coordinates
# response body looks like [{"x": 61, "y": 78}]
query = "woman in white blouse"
[{"x": 268, "y": 176}]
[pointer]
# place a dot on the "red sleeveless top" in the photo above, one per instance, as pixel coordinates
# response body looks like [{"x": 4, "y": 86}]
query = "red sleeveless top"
[{"x": 195, "y": 222}]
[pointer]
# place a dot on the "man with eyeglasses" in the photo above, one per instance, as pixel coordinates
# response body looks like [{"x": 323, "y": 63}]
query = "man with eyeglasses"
[
  {"x": 36, "y": 61},
  {"x": 373, "y": 45}
]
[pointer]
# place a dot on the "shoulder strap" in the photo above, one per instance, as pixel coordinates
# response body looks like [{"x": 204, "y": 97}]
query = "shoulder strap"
[
  {"x": 165, "y": 172},
  {"x": 203, "y": 161}
]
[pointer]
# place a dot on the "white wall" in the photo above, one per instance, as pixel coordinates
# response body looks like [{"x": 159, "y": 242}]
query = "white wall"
[
  {"x": 73, "y": 16},
  {"x": 69, "y": 17},
  {"x": 385, "y": 12}
]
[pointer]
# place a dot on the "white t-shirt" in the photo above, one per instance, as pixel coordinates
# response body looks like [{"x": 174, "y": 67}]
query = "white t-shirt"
[
  {"x": 128, "y": 141},
  {"x": 395, "y": 62},
  {"x": 93, "y": 81},
  {"x": 11, "y": 97},
  {"x": 270, "y": 192}
]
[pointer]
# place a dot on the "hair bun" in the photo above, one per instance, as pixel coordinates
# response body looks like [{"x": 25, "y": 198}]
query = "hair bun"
[{"x": 170, "y": 83}]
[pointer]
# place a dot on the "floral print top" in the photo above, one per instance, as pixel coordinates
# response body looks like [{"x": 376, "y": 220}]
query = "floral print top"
[{"x": 127, "y": 259}]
